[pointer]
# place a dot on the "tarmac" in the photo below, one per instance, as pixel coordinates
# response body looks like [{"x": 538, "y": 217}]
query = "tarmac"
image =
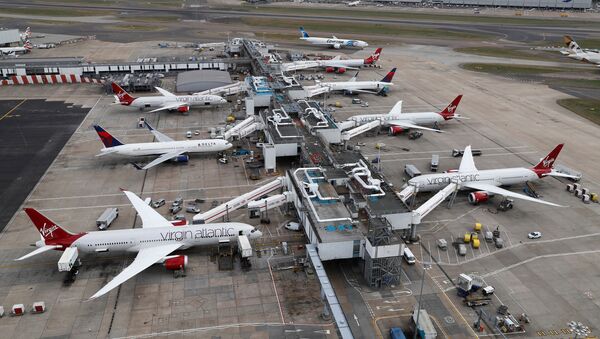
[{"x": 551, "y": 279}]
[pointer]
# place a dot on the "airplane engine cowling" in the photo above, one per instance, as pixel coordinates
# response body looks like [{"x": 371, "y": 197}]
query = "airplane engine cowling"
[
  {"x": 177, "y": 263},
  {"x": 181, "y": 158},
  {"x": 395, "y": 130},
  {"x": 337, "y": 46},
  {"x": 329, "y": 70},
  {"x": 478, "y": 196},
  {"x": 183, "y": 109},
  {"x": 341, "y": 70}
]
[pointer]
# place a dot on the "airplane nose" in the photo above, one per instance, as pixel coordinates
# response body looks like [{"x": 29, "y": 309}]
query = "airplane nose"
[{"x": 258, "y": 233}]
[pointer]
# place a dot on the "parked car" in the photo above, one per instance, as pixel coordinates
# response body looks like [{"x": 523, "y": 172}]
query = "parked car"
[
  {"x": 175, "y": 209},
  {"x": 292, "y": 226},
  {"x": 178, "y": 201},
  {"x": 534, "y": 235},
  {"x": 192, "y": 209},
  {"x": 158, "y": 203}
]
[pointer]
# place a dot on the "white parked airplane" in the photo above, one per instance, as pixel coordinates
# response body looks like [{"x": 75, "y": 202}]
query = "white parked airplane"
[
  {"x": 153, "y": 243},
  {"x": 26, "y": 48},
  {"x": 167, "y": 101},
  {"x": 333, "y": 42},
  {"x": 167, "y": 148},
  {"x": 578, "y": 53},
  {"x": 398, "y": 121},
  {"x": 336, "y": 64},
  {"x": 487, "y": 182},
  {"x": 353, "y": 86},
  {"x": 353, "y": 3}
]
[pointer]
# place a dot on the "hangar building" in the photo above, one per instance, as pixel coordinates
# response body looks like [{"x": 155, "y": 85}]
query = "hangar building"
[
  {"x": 202, "y": 80},
  {"x": 9, "y": 36}
]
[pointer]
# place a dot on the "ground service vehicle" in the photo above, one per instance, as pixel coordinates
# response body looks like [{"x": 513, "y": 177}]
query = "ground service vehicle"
[
  {"x": 409, "y": 257},
  {"x": 106, "y": 218}
]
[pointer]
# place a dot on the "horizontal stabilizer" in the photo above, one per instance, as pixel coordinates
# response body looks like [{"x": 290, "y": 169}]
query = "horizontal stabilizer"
[{"x": 38, "y": 251}]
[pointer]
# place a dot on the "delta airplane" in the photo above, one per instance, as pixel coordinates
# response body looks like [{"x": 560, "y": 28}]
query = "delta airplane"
[
  {"x": 333, "y": 42},
  {"x": 167, "y": 148},
  {"x": 486, "y": 182},
  {"x": 336, "y": 64},
  {"x": 26, "y": 48},
  {"x": 167, "y": 101},
  {"x": 577, "y": 53},
  {"x": 398, "y": 121},
  {"x": 153, "y": 243},
  {"x": 373, "y": 87}
]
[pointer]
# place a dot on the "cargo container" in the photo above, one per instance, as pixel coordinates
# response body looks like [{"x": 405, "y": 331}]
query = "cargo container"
[
  {"x": 108, "y": 216},
  {"x": 411, "y": 170},
  {"x": 396, "y": 333},
  {"x": 244, "y": 247},
  {"x": 67, "y": 259}
]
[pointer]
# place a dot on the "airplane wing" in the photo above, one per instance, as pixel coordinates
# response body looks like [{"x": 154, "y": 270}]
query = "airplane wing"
[
  {"x": 501, "y": 191},
  {"x": 162, "y": 158},
  {"x": 170, "y": 106},
  {"x": 562, "y": 175},
  {"x": 165, "y": 92},
  {"x": 158, "y": 135},
  {"x": 150, "y": 217},
  {"x": 467, "y": 164},
  {"x": 407, "y": 124},
  {"x": 338, "y": 65},
  {"x": 145, "y": 258}
]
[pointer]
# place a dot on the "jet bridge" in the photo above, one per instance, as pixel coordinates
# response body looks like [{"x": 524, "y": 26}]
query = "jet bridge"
[
  {"x": 226, "y": 90},
  {"x": 243, "y": 129},
  {"x": 360, "y": 129},
  {"x": 433, "y": 202},
  {"x": 224, "y": 209}
]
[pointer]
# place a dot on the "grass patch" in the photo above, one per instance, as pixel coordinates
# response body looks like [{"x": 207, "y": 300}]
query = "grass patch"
[
  {"x": 587, "y": 108},
  {"x": 525, "y": 21},
  {"x": 57, "y": 12},
  {"x": 360, "y": 28},
  {"x": 146, "y": 28},
  {"x": 500, "y": 52},
  {"x": 577, "y": 83},
  {"x": 509, "y": 69}
]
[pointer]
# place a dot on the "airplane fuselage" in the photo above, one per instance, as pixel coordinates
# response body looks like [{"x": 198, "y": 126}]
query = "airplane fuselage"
[
  {"x": 427, "y": 118},
  {"x": 496, "y": 177},
  {"x": 189, "y": 100},
  {"x": 336, "y": 43},
  {"x": 155, "y": 148},
  {"x": 356, "y": 85},
  {"x": 132, "y": 240}
]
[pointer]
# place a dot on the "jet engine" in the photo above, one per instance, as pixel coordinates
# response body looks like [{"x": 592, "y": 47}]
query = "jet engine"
[
  {"x": 176, "y": 263},
  {"x": 341, "y": 70},
  {"x": 395, "y": 130},
  {"x": 329, "y": 70},
  {"x": 478, "y": 196},
  {"x": 337, "y": 46},
  {"x": 181, "y": 158},
  {"x": 183, "y": 109}
]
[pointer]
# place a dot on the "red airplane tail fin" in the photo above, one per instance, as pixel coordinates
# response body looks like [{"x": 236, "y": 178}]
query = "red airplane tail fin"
[
  {"x": 47, "y": 228},
  {"x": 124, "y": 97},
  {"x": 449, "y": 112},
  {"x": 548, "y": 161},
  {"x": 374, "y": 57}
]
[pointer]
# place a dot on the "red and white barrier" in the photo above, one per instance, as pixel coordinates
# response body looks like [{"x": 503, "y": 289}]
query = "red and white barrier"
[{"x": 48, "y": 79}]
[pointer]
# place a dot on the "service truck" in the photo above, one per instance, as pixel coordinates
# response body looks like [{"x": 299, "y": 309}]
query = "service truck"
[
  {"x": 411, "y": 170},
  {"x": 108, "y": 216},
  {"x": 67, "y": 259},
  {"x": 435, "y": 162},
  {"x": 244, "y": 247}
]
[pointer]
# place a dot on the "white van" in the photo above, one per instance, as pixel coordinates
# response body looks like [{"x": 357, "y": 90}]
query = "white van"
[{"x": 409, "y": 257}]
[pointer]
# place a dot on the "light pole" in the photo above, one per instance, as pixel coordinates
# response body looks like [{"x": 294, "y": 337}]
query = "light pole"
[{"x": 419, "y": 302}]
